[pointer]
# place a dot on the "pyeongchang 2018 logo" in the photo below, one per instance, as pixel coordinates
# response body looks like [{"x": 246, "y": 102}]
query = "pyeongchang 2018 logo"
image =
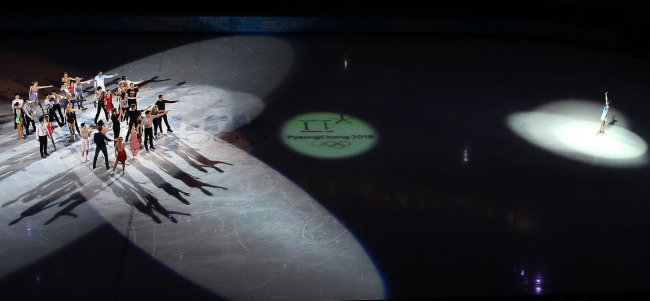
[{"x": 328, "y": 135}]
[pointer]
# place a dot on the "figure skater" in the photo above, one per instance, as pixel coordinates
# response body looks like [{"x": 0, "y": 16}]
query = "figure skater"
[
  {"x": 67, "y": 79},
  {"x": 147, "y": 121},
  {"x": 33, "y": 94},
  {"x": 71, "y": 118},
  {"x": 125, "y": 83},
  {"x": 115, "y": 120},
  {"x": 134, "y": 143},
  {"x": 79, "y": 93},
  {"x": 19, "y": 101},
  {"x": 603, "y": 116},
  {"x": 108, "y": 100},
  {"x": 100, "y": 146},
  {"x": 41, "y": 137},
  {"x": 134, "y": 118},
  {"x": 160, "y": 103},
  {"x": 67, "y": 89},
  {"x": 19, "y": 120},
  {"x": 121, "y": 154},
  {"x": 132, "y": 92},
  {"x": 156, "y": 122},
  {"x": 99, "y": 79},
  {"x": 85, "y": 142},
  {"x": 50, "y": 130},
  {"x": 100, "y": 103},
  {"x": 55, "y": 106},
  {"x": 29, "y": 115},
  {"x": 71, "y": 101}
]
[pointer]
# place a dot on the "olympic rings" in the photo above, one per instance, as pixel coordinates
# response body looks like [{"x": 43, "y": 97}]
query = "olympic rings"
[
  {"x": 249, "y": 138},
  {"x": 198, "y": 140},
  {"x": 226, "y": 137},
  {"x": 331, "y": 144}
]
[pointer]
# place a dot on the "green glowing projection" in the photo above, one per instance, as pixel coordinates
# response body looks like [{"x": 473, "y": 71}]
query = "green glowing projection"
[{"x": 328, "y": 135}]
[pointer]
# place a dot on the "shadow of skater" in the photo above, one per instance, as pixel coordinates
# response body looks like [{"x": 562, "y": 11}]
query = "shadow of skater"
[
  {"x": 17, "y": 163},
  {"x": 64, "y": 184},
  {"x": 76, "y": 198},
  {"x": 132, "y": 195},
  {"x": 613, "y": 120},
  {"x": 159, "y": 182},
  {"x": 151, "y": 80},
  {"x": 177, "y": 173},
  {"x": 47, "y": 203},
  {"x": 191, "y": 155}
]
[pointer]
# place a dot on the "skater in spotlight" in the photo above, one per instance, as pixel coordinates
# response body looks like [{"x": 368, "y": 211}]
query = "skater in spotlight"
[
  {"x": 603, "y": 116},
  {"x": 160, "y": 104}
]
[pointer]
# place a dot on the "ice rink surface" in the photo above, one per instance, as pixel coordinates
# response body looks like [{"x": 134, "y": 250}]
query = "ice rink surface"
[{"x": 476, "y": 184}]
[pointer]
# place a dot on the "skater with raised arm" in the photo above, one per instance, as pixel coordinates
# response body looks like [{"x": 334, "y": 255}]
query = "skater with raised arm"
[
  {"x": 99, "y": 79},
  {"x": 33, "y": 95},
  {"x": 79, "y": 92},
  {"x": 160, "y": 104},
  {"x": 55, "y": 107},
  {"x": 100, "y": 146},
  {"x": 147, "y": 121},
  {"x": 121, "y": 154},
  {"x": 603, "y": 116}
]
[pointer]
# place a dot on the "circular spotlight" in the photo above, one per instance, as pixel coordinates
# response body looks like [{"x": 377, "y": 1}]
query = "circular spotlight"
[
  {"x": 565, "y": 129},
  {"x": 328, "y": 135}
]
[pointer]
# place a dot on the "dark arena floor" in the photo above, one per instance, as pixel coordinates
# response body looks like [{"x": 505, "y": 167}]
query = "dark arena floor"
[{"x": 436, "y": 158}]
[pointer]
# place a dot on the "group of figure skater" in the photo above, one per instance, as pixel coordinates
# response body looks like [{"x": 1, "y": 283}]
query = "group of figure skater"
[{"x": 143, "y": 124}]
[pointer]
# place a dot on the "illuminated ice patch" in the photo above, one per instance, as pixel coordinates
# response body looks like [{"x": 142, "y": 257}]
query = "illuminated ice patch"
[{"x": 570, "y": 129}]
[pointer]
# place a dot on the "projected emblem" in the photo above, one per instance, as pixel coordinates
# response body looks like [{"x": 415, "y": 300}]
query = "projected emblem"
[{"x": 328, "y": 135}]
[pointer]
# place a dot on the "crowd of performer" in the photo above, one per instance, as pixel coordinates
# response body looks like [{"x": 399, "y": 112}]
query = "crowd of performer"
[{"x": 119, "y": 107}]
